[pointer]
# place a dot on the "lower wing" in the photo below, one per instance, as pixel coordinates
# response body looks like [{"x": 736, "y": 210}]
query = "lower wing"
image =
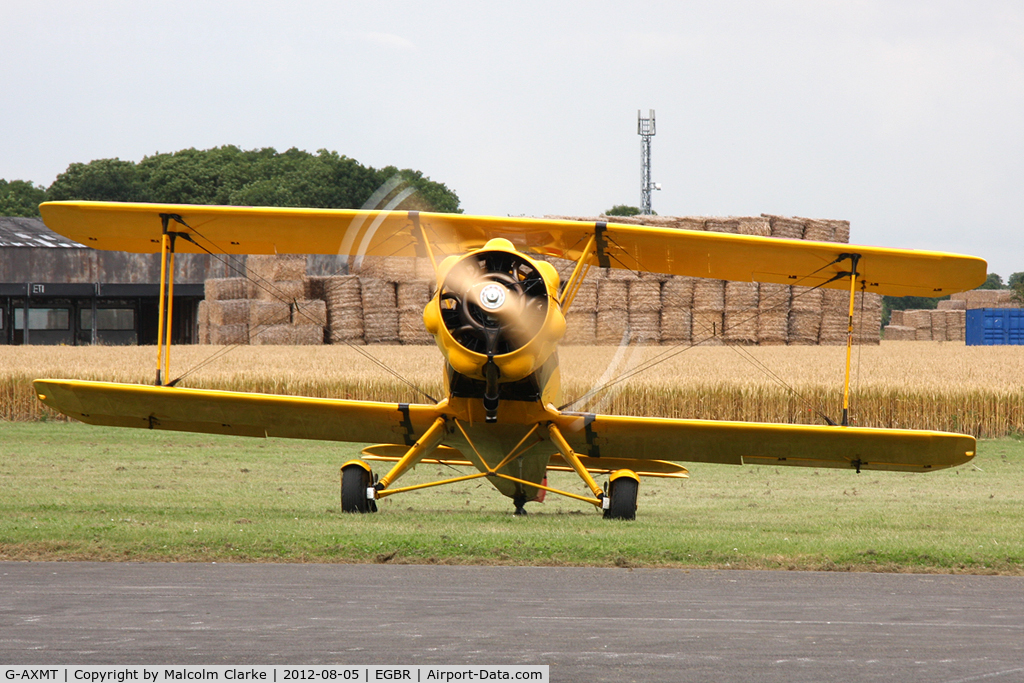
[
  {"x": 738, "y": 443},
  {"x": 236, "y": 413}
]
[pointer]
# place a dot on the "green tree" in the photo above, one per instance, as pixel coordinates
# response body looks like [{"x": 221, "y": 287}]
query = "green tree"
[
  {"x": 110, "y": 180},
  {"x": 993, "y": 282},
  {"x": 20, "y": 198},
  {"x": 622, "y": 210},
  {"x": 1016, "y": 283}
]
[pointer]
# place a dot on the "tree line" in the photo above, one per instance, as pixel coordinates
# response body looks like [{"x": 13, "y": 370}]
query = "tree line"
[{"x": 231, "y": 176}]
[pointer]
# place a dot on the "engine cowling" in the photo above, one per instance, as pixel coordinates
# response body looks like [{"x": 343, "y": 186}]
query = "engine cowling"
[{"x": 495, "y": 314}]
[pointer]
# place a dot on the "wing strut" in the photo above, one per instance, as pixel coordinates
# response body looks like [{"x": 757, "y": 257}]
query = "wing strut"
[
  {"x": 855, "y": 259},
  {"x": 166, "y": 305},
  {"x": 572, "y": 285}
]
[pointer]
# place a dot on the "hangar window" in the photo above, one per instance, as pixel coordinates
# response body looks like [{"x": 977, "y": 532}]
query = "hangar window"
[
  {"x": 43, "y": 319},
  {"x": 109, "y": 319}
]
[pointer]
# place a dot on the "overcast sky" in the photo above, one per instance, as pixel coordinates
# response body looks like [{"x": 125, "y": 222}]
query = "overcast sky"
[{"x": 905, "y": 118}]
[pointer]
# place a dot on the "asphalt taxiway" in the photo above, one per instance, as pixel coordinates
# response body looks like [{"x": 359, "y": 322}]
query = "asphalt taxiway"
[{"x": 587, "y": 624}]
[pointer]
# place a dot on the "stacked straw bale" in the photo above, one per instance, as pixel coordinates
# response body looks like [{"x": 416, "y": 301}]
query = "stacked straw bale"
[
  {"x": 677, "y": 310},
  {"x": 900, "y": 333},
  {"x": 835, "y": 317},
  {"x": 645, "y": 311},
  {"x": 224, "y": 319},
  {"x": 805, "y": 313},
  {"x": 612, "y": 320},
  {"x": 343, "y": 295},
  {"x": 773, "y": 314},
  {"x": 412, "y": 297},
  {"x": 867, "y": 318},
  {"x": 380, "y": 311},
  {"x": 986, "y": 298},
  {"x": 921, "y": 322},
  {"x": 708, "y": 311},
  {"x": 896, "y": 318},
  {"x": 581, "y": 319},
  {"x": 940, "y": 324},
  {"x": 740, "y": 318}
]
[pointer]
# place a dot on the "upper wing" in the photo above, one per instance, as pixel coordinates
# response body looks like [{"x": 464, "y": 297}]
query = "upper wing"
[
  {"x": 240, "y": 414},
  {"x": 723, "y": 256},
  {"x": 737, "y": 443}
]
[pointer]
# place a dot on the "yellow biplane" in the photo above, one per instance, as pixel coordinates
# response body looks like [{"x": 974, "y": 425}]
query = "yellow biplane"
[{"x": 498, "y": 315}]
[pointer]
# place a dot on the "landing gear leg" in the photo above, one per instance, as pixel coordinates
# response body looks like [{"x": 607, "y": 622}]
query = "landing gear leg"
[{"x": 519, "y": 501}]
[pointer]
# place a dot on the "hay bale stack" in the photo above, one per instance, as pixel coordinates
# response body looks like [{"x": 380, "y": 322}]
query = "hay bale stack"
[
  {"x": 612, "y": 296},
  {"x": 275, "y": 267},
  {"x": 585, "y": 300},
  {"x": 611, "y": 327},
  {"x": 226, "y": 288},
  {"x": 730, "y": 225},
  {"x": 900, "y": 333},
  {"x": 381, "y": 326},
  {"x": 938, "y": 325},
  {"x": 952, "y": 305},
  {"x": 805, "y": 313},
  {"x": 273, "y": 335},
  {"x": 835, "y": 317},
  {"x": 264, "y": 313},
  {"x": 645, "y": 327},
  {"x": 580, "y": 328},
  {"x": 384, "y": 268},
  {"x": 315, "y": 287},
  {"x": 644, "y": 296},
  {"x": 842, "y": 232},
  {"x": 956, "y": 323},
  {"x": 689, "y": 223},
  {"x": 819, "y": 231},
  {"x": 676, "y": 325},
  {"x": 921, "y": 321},
  {"x": 307, "y": 335},
  {"x": 344, "y": 300},
  {"x": 740, "y": 319},
  {"x": 413, "y": 294},
  {"x": 377, "y": 295},
  {"x": 787, "y": 228},
  {"x": 620, "y": 273},
  {"x": 867, "y": 318},
  {"x": 773, "y": 314},
  {"x": 203, "y": 323},
  {"x": 989, "y": 298},
  {"x": 229, "y": 335},
  {"x": 309, "y": 312},
  {"x": 758, "y": 226},
  {"x": 677, "y": 292},
  {"x": 279, "y": 290},
  {"x": 411, "y": 330},
  {"x": 896, "y": 318},
  {"x": 228, "y": 312},
  {"x": 708, "y": 311}
]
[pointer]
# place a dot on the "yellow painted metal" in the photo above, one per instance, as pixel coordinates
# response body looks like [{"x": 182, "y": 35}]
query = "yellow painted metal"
[
  {"x": 724, "y": 256},
  {"x": 241, "y": 414},
  {"x": 849, "y": 345},
  {"x": 424, "y": 445},
  {"x": 579, "y": 273},
  {"x": 170, "y": 313},
  {"x": 416, "y": 487},
  {"x": 628, "y": 474},
  {"x": 164, "y": 242},
  {"x": 358, "y": 463},
  {"x": 592, "y": 501},
  {"x": 570, "y": 456}
]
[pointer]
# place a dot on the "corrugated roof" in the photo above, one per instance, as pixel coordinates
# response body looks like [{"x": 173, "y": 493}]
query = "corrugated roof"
[{"x": 31, "y": 232}]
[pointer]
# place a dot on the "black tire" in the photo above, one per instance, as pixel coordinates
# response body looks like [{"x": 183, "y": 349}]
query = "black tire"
[
  {"x": 623, "y": 492},
  {"x": 354, "y": 482}
]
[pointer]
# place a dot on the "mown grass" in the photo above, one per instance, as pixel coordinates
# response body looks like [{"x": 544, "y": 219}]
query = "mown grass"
[{"x": 73, "y": 492}]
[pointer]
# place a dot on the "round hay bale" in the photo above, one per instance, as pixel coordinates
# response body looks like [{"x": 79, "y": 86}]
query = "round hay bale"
[
  {"x": 580, "y": 328},
  {"x": 411, "y": 330},
  {"x": 676, "y": 325},
  {"x": 644, "y": 296},
  {"x": 612, "y": 295},
  {"x": 378, "y": 295},
  {"x": 345, "y": 325},
  {"x": 414, "y": 294},
  {"x": 343, "y": 291},
  {"x": 381, "y": 326}
]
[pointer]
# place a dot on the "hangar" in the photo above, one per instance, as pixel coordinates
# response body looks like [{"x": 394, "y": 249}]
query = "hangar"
[{"x": 72, "y": 295}]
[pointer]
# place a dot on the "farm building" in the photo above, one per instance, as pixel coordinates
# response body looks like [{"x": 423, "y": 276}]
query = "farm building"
[{"x": 70, "y": 294}]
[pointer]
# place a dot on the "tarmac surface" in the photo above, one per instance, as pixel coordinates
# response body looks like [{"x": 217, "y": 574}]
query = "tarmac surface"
[{"x": 587, "y": 624}]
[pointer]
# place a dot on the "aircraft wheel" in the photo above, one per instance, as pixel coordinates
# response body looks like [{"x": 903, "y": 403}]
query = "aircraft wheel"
[
  {"x": 355, "y": 479},
  {"x": 623, "y": 492}
]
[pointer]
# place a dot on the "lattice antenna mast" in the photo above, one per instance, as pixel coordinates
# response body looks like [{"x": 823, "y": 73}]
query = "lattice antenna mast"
[{"x": 645, "y": 129}]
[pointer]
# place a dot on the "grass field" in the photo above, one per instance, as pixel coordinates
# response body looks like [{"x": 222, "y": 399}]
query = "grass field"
[
  {"x": 917, "y": 385},
  {"x": 74, "y": 492}
]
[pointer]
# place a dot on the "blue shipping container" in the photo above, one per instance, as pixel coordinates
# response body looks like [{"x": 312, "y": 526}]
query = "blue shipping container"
[{"x": 991, "y": 326}]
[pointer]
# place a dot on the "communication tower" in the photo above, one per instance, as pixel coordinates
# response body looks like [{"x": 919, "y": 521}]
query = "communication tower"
[{"x": 645, "y": 129}]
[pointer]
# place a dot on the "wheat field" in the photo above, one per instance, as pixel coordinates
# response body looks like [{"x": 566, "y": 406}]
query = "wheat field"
[{"x": 914, "y": 385}]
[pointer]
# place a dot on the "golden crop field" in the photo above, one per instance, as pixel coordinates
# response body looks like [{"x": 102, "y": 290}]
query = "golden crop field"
[{"x": 918, "y": 385}]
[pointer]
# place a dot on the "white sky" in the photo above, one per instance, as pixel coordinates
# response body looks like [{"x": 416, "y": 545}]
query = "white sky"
[{"x": 906, "y": 118}]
